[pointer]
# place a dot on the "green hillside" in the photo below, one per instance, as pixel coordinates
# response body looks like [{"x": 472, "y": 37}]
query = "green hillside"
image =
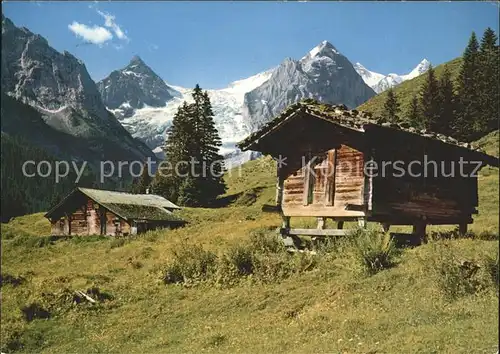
[
  {"x": 407, "y": 89},
  {"x": 292, "y": 303}
]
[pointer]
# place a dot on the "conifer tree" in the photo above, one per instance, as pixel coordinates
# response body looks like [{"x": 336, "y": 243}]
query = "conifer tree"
[
  {"x": 445, "y": 122},
  {"x": 468, "y": 92},
  {"x": 391, "y": 106},
  {"x": 413, "y": 114},
  {"x": 429, "y": 100},
  {"x": 191, "y": 149},
  {"x": 142, "y": 183},
  {"x": 488, "y": 82}
]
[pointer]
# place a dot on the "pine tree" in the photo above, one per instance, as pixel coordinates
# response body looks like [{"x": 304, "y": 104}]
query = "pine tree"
[
  {"x": 391, "y": 106},
  {"x": 445, "y": 122},
  {"x": 413, "y": 115},
  {"x": 429, "y": 100},
  {"x": 468, "y": 92},
  {"x": 488, "y": 82}
]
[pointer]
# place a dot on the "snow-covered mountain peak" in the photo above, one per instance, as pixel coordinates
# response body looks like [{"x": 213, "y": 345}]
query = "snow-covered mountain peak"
[
  {"x": 380, "y": 82},
  {"x": 325, "y": 48},
  {"x": 371, "y": 78},
  {"x": 421, "y": 68}
]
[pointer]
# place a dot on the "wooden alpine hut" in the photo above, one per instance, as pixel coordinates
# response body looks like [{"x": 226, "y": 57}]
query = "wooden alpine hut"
[
  {"x": 345, "y": 165},
  {"x": 88, "y": 211}
]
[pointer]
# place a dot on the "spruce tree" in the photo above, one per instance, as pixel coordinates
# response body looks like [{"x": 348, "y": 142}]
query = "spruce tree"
[
  {"x": 413, "y": 115},
  {"x": 210, "y": 144},
  {"x": 177, "y": 151},
  {"x": 468, "y": 92},
  {"x": 488, "y": 83},
  {"x": 191, "y": 149},
  {"x": 391, "y": 106},
  {"x": 445, "y": 122},
  {"x": 429, "y": 100}
]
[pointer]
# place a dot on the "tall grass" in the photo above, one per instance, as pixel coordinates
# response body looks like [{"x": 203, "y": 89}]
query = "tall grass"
[{"x": 372, "y": 250}]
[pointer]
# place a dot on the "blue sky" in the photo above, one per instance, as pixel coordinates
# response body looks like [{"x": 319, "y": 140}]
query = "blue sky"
[{"x": 215, "y": 43}]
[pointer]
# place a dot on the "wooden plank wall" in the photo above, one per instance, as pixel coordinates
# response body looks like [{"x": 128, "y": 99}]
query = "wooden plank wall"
[
  {"x": 332, "y": 189},
  {"x": 349, "y": 177},
  {"x": 86, "y": 220},
  {"x": 440, "y": 200}
]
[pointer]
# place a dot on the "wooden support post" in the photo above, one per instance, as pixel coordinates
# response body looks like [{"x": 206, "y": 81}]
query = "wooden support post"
[
  {"x": 362, "y": 223},
  {"x": 419, "y": 229},
  {"x": 340, "y": 225},
  {"x": 321, "y": 223},
  {"x": 279, "y": 188},
  {"x": 462, "y": 228},
  {"x": 385, "y": 226},
  {"x": 286, "y": 222}
]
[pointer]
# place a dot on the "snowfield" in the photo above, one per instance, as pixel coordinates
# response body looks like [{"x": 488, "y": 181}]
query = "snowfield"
[{"x": 150, "y": 123}]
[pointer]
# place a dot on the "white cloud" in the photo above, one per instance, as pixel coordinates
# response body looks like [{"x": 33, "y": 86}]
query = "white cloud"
[
  {"x": 96, "y": 34},
  {"x": 109, "y": 22}
]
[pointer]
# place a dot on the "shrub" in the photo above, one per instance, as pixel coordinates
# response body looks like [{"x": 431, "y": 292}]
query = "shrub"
[
  {"x": 455, "y": 277},
  {"x": 263, "y": 240},
  {"x": 242, "y": 259},
  {"x": 373, "y": 251},
  {"x": 491, "y": 264},
  {"x": 271, "y": 267},
  {"x": 190, "y": 263}
]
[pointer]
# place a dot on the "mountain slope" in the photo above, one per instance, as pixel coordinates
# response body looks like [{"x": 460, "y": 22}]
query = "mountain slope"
[
  {"x": 407, "y": 89},
  {"x": 323, "y": 74},
  {"x": 67, "y": 102}
]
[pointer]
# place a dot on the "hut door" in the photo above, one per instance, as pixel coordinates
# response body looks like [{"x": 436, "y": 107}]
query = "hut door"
[{"x": 330, "y": 178}]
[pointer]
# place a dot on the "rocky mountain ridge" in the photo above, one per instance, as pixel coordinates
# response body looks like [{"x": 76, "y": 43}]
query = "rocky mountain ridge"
[{"x": 63, "y": 96}]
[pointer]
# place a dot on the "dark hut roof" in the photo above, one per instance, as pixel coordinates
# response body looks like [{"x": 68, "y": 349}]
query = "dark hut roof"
[
  {"x": 125, "y": 205},
  {"x": 351, "y": 119}
]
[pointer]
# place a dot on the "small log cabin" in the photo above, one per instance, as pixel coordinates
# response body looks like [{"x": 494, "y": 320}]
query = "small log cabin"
[
  {"x": 88, "y": 211},
  {"x": 343, "y": 164}
]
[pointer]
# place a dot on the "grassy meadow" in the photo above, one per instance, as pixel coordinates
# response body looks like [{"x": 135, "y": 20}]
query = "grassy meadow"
[{"x": 441, "y": 297}]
